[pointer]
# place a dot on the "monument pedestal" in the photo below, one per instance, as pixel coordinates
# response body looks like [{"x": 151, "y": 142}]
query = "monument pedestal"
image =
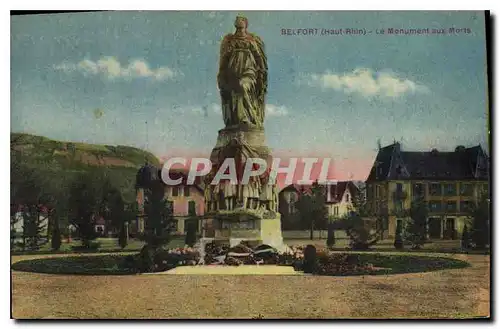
[
  {"x": 234, "y": 227},
  {"x": 250, "y": 211}
]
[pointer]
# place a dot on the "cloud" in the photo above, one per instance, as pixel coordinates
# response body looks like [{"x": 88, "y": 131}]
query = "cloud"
[
  {"x": 367, "y": 83},
  {"x": 111, "y": 68},
  {"x": 276, "y": 110}
]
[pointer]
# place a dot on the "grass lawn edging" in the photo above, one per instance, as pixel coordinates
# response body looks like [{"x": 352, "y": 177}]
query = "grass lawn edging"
[{"x": 113, "y": 264}]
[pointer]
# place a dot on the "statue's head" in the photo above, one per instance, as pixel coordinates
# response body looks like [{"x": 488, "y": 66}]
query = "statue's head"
[{"x": 241, "y": 22}]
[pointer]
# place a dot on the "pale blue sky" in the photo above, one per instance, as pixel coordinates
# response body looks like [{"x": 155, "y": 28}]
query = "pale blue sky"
[{"x": 334, "y": 94}]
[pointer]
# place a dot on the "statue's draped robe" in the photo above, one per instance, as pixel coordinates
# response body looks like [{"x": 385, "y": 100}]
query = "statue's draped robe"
[{"x": 242, "y": 80}]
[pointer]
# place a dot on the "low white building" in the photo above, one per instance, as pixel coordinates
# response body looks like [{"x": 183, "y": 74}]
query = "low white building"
[
  {"x": 17, "y": 226},
  {"x": 338, "y": 200}
]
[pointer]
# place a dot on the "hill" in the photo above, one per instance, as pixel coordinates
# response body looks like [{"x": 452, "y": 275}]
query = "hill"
[
  {"x": 63, "y": 160},
  {"x": 69, "y": 154}
]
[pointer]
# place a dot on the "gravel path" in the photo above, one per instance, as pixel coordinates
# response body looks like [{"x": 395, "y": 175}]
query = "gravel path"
[{"x": 448, "y": 293}]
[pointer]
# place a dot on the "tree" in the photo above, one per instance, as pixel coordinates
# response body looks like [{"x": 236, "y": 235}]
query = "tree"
[
  {"x": 416, "y": 229},
  {"x": 330, "y": 240},
  {"x": 361, "y": 235},
  {"x": 33, "y": 227},
  {"x": 14, "y": 219},
  {"x": 465, "y": 242},
  {"x": 87, "y": 201},
  {"x": 114, "y": 208},
  {"x": 312, "y": 209},
  {"x": 158, "y": 215},
  {"x": 123, "y": 235},
  {"x": 190, "y": 238},
  {"x": 480, "y": 215},
  {"x": 55, "y": 234},
  {"x": 129, "y": 214},
  {"x": 27, "y": 196},
  {"x": 398, "y": 239}
]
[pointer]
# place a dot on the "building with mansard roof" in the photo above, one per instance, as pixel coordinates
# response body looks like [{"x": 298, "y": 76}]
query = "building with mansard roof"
[{"x": 449, "y": 182}]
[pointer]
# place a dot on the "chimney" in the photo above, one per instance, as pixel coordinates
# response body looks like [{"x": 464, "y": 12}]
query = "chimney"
[
  {"x": 328, "y": 192},
  {"x": 397, "y": 147}
]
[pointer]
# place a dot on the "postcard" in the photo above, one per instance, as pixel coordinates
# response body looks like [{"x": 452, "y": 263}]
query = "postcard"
[{"x": 250, "y": 165}]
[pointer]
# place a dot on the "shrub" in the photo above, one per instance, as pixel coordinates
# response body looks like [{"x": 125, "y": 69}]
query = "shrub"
[
  {"x": 330, "y": 241},
  {"x": 266, "y": 254},
  {"x": 89, "y": 247},
  {"x": 123, "y": 236},
  {"x": 466, "y": 239},
  {"x": 360, "y": 235},
  {"x": 342, "y": 264},
  {"x": 309, "y": 263},
  {"x": 415, "y": 233},
  {"x": 233, "y": 261},
  {"x": 190, "y": 234},
  {"x": 398, "y": 240},
  {"x": 129, "y": 263},
  {"x": 56, "y": 236},
  {"x": 145, "y": 261},
  {"x": 213, "y": 250}
]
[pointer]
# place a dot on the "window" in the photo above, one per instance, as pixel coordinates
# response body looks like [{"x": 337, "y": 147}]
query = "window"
[
  {"x": 347, "y": 197},
  {"x": 187, "y": 190},
  {"x": 399, "y": 187},
  {"x": 435, "y": 189},
  {"x": 398, "y": 205},
  {"x": 451, "y": 206},
  {"x": 191, "y": 208},
  {"x": 465, "y": 206},
  {"x": 450, "y": 189},
  {"x": 484, "y": 190},
  {"x": 466, "y": 189},
  {"x": 175, "y": 191},
  {"x": 435, "y": 206},
  {"x": 418, "y": 191},
  {"x": 377, "y": 191}
]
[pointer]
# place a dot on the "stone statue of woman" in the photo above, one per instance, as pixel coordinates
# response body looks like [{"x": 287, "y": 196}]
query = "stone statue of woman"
[
  {"x": 242, "y": 77},
  {"x": 229, "y": 195},
  {"x": 266, "y": 196},
  {"x": 208, "y": 197}
]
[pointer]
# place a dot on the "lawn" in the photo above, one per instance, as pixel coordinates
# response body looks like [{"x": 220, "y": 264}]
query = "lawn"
[
  {"x": 106, "y": 245},
  {"x": 439, "y": 293},
  {"x": 450, "y": 293},
  {"x": 290, "y": 238},
  {"x": 111, "y": 263}
]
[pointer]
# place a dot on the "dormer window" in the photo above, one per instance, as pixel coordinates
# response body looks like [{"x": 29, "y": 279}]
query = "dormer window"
[{"x": 347, "y": 197}]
